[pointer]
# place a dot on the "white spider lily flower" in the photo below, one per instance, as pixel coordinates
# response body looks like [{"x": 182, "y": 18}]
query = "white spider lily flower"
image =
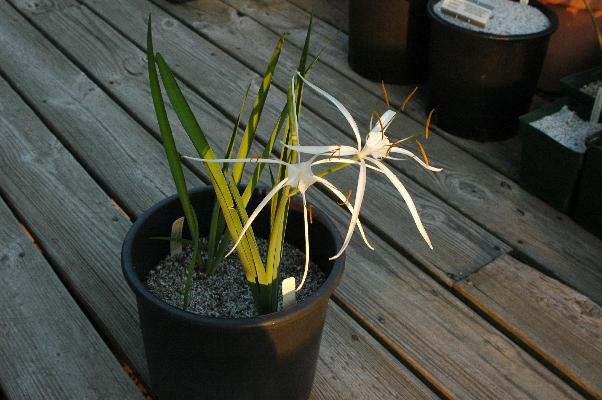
[
  {"x": 377, "y": 147},
  {"x": 300, "y": 177}
]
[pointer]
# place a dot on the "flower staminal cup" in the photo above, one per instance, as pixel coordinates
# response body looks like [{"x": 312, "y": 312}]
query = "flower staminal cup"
[
  {"x": 300, "y": 177},
  {"x": 376, "y": 148}
]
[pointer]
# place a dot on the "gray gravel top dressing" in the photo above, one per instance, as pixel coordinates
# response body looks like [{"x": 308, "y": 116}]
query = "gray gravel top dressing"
[
  {"x": 507, "y": 18},
  {"x": 591, "y": 88},
  {"x": 567, "y": 128},
  {"x": 226, "y": 294}
]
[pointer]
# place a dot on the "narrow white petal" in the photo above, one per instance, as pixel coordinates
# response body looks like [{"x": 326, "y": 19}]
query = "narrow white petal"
[
  {"x": 343, "y": 161},
  {"x": 295, "y": 109},
  {"x": 406, "y": 197},
  {"x": 313, "y": 149},
  {"x": 398, "y": 150},
  {"x": 359, "y": 196},
  {"x": 306, "y": 227},
  {"x": 236, "y": 160},
  {"x": 341, "y": 108},
  {"x": 256, "y": 212},
  {"x": 342, "y": 198},
  {"x": 384, "y": 123}
]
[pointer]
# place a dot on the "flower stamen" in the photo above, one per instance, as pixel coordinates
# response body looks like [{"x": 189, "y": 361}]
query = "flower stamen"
[{"x": 346, "y": 199}]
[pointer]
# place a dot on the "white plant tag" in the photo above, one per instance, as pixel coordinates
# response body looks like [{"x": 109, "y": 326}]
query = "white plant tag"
[
  {"x": 595, "y": 115},
  {"x": 471, "y": 11},
  {"x": 288, "y": 292},
  {"x": 524, "y": 2},
  {"x": 175, "y": 244}
]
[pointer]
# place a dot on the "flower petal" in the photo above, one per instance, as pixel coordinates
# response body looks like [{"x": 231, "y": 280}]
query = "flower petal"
[
  {"x": 341, "y": 108},
  {"x": 256, "y": 212},
  {"x": 359, "y": 196},
  {"x": 236, "y": 160},
  {"x": 385, "y": 121},
  {"x": 306, "y": 227},
  {"x": 335, "y": 151},
  {"x": 342, "y": 197},
  {"x": 406, "y": 197},
  {"x": 398, "y": 150}
]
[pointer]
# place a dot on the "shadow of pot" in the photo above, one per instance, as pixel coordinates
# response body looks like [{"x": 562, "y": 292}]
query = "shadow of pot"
[{"x": 190, "y": 356}]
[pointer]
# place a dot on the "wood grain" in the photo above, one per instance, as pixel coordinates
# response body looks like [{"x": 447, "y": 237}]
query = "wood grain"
[
  {"x": 73, "y": 219},
  {"x": 538, "y": 233},
  {"x": 48, "y": 348},
  {"x": 352, "y": 365},
  {"x": 464, "y": 246},
  {"x": 560, "y": 324},
  {"x": 79, "y": 226}
]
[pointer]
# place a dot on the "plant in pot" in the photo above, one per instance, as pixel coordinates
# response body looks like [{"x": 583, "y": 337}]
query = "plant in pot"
[
  {"x": 484, "y": 60},
  {"x": 219, "y": 328}
]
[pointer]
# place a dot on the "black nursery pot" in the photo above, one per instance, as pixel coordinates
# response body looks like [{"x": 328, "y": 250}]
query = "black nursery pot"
[
  {"x": 579, "y": 101},
  {"x": 388, "y": 39},
  {"x": 481, "y": 83},
  {"x": 189, "y": 356}
]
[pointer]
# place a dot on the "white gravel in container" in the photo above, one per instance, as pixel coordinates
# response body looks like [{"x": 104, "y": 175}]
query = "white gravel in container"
[
  {"x": 567, "y": 128},
  {"x": 226, "y": 293},
  {"x": 507, "y": 18},
  {"x": 591, "y": 88}
]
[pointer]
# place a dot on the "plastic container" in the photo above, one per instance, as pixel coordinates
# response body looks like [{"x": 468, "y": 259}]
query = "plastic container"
[
  {"x": 588, "y": 207},
  {"x": 548, "y": 169},
  {"x": 579, "y": 101},
  {"x": 189, "y": 356},
  {"x": 481, "y": 83},
  {"x": 388, "y": 39}
]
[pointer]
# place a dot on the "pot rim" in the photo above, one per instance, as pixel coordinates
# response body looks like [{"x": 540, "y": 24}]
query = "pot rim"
[
  {"x": 547, "y": 11},
  {"x": 278, "y": 317}
]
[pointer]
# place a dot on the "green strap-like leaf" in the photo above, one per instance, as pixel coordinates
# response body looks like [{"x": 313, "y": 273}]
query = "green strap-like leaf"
[
  {"x": 247, "y": 249},
  {"x": 254, "y": 118},
  {"x": 173, "y": 160}
]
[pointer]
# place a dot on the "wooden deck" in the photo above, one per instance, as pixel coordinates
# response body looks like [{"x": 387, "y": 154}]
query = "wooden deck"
[{"x": 507, "y": 306}]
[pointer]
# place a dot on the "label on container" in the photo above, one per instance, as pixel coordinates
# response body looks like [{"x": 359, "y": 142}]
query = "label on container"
[
  {"x": 288, "y": 292},
  {"x": 597, "y": 108},
  {"x": 471, "y": 11},
  {"x": 175, "y": 244}
]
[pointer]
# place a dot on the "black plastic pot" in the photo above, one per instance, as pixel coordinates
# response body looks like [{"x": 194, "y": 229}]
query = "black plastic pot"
[
  {"x": 388, "y": 39},
  {"x": 580, "y": 102},
  {"x": 548, "y": 169},
  {"x": 481, "y": 83},
  {"x": 194, "y": 357},
  {"x": 588, "y": 206}
]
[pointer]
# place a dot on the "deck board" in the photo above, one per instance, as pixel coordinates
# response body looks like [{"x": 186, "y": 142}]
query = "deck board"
[
  {"x": 560, "y": 324},
  {"x": 533, "y": 229},
  {"x": 45, "y": 336}
]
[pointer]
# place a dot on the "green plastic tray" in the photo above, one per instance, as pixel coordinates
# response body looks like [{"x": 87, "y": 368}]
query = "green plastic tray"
[
  {"x": 548, "y": 169},
  {"x": 580, "y": 102}
]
